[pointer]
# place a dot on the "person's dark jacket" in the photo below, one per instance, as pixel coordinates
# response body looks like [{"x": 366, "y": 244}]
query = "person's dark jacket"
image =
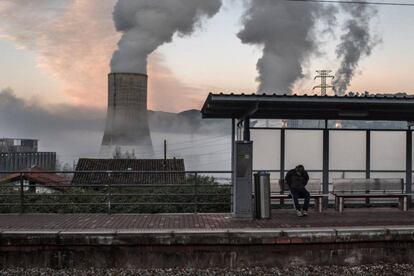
[{"x": 296, "y": 181}]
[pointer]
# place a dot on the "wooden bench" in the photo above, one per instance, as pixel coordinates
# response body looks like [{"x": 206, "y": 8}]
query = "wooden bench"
[
  {"x": 369, "y": 188},
  {"x": 314, "y": 188}
]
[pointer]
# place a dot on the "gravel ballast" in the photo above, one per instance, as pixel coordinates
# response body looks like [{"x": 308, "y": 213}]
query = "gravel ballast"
[{"x": 380, "y": 269}]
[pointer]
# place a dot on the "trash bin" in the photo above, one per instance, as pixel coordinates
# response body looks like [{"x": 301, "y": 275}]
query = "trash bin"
[{"x": 262, "y": 195}]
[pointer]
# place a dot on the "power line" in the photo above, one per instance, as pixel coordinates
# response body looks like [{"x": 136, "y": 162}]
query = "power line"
[
  {"x": 159, "y": 149},
  {"x": 197, "y": 140},
  {"x": 355, "y": 2},
  {"x": 196, "y": 147},
  {"x": 207, "y": 153}
]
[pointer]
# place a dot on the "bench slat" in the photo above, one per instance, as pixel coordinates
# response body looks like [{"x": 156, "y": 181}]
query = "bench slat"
[
  {"x": 370, "y": 195},
  {"x": 371, "y": 185},
  {"x": 369, "y": 188}
]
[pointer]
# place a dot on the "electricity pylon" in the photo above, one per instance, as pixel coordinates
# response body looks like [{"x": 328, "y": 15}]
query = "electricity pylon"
[{"x": 323, "y": 75}]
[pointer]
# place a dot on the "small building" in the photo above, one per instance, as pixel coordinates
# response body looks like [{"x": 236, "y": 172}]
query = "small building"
[
  {"x": 38, "y": 181},
  {"x": 129, "y": 171},
  {"x": 12, "y": 145},
  {"x": 20, "y": 154}
]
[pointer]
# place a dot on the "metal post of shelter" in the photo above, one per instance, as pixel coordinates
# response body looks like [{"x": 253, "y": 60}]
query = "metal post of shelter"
[
  {"x": 409, "y": 164},
  {"x": 282, "y": 154},
  {"x": 325, "y": 165},
  {"x": 246, "y": 129},
  {"x": 233, "y": 140},
  {"x": 368, "y": 155},
  {"x": 242, "y": 167},
  {"x": 282, "y": 162},
  {"x": 368, "y": 160}
]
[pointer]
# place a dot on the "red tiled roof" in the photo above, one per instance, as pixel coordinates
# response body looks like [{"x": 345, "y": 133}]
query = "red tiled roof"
[{"x": 39, "y": 176}]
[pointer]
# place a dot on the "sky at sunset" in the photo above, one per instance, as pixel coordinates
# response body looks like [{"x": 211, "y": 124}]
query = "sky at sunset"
[{"x": 58, "y": 52}]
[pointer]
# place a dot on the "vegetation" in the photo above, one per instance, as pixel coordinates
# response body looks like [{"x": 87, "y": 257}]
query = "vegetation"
[{"x": 200, "y": 194}]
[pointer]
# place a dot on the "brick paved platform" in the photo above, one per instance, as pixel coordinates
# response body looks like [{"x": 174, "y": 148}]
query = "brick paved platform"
[
  {"x": 280, "y": 219},
  {"x": 357, "y": 236}
]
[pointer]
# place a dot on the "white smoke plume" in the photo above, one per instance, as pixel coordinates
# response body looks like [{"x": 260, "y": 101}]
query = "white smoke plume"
[
  {"x": 356, "y": 42},
  {"x": 147, "y": 24},
  {"x": 286, "y": 30}
]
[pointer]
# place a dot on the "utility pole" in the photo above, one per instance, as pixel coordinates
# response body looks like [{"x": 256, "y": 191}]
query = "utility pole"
[
  {"x": 323, "y": 75},
  {"x": 165, "y": 153}
]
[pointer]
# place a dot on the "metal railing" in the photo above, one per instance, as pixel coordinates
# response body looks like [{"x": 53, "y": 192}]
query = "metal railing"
[
  {"x": 116, "y": 192},
  {"x": 126, "y": 191}
]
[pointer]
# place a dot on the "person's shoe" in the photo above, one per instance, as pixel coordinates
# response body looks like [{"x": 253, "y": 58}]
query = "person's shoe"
[
  {"x": 305, "y": 213},
  {"x": 299, "y": 213}
]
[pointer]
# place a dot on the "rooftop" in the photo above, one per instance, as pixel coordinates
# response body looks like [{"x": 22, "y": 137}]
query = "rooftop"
[
  {"x": 274, "y": 106},
  {"x": 38, "y": 176},
  {"x": 134, "y": 167}
]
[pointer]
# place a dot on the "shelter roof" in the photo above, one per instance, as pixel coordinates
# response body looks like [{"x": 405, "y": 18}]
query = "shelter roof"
[{"x": 274, "y": 106}]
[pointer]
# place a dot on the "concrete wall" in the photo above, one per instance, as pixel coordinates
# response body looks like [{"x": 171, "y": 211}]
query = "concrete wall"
[
  {"x": 138, "y": 249},
  {"x": 127, "y": 119}
]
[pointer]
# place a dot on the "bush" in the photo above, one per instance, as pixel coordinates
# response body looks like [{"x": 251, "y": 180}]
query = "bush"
[{"x": 200, "y": 194}]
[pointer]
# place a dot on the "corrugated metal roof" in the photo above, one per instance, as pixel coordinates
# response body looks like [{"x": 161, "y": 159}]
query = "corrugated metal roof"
[
  {"x": 398, "y": 107},
  {"x": 361, "y": 96}
]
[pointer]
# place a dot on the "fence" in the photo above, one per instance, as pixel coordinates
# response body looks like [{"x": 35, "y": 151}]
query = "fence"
[
  {"x": 117, "y": 192},
  {"x": 128, "y": 191}
]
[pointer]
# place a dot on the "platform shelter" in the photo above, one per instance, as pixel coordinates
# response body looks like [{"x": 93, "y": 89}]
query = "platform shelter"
[{"x": 375, "y": 146}]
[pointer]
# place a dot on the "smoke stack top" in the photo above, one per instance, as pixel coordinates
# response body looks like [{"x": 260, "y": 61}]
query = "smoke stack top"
[{"x": 147, "y": 24}]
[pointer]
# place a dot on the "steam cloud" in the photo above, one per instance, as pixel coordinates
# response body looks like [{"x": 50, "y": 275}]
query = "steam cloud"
[
  {"x": 75, "y": 131},
  {"x": 147, "y": 24},
  {"x": 54, "y": 37},
  {"x": 286, "y": 30},
  {"x": 73, "y": 41},
  {"x": 355, "y": 43},
  {"x": 70, "y": 130}
]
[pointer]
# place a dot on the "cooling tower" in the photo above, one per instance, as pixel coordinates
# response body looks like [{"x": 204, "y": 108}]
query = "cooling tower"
[{"x": 127, "y": 117}]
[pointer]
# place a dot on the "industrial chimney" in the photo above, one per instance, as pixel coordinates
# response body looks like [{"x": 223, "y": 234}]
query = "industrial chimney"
[{"x": 127, "y": 118}]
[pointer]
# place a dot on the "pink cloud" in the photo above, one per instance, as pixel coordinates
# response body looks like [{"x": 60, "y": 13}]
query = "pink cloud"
[
  {"x": 74, "y": 41},
  {"x": 167, "y": 92}
]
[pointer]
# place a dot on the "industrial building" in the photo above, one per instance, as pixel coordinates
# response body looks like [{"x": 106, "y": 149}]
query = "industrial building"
[
  {"x": 8, "y": 145},
  {"x": 20, "y": 154},
  {"x": 127, "y": 118}
]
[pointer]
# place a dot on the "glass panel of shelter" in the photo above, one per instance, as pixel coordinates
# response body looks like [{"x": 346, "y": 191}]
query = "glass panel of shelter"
[{"x": 347, "y": 152}]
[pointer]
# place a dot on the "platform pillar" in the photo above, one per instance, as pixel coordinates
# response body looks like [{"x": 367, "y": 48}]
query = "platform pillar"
[{"x": 242, "y": 179}]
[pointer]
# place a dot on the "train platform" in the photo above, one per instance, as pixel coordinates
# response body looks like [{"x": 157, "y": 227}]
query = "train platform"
[
  {"x": 281, "y": 219},
  {"x": 354, "y": 237}
]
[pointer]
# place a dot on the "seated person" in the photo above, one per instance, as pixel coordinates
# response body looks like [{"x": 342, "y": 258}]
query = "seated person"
[{"x": 297, "y": 179}]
